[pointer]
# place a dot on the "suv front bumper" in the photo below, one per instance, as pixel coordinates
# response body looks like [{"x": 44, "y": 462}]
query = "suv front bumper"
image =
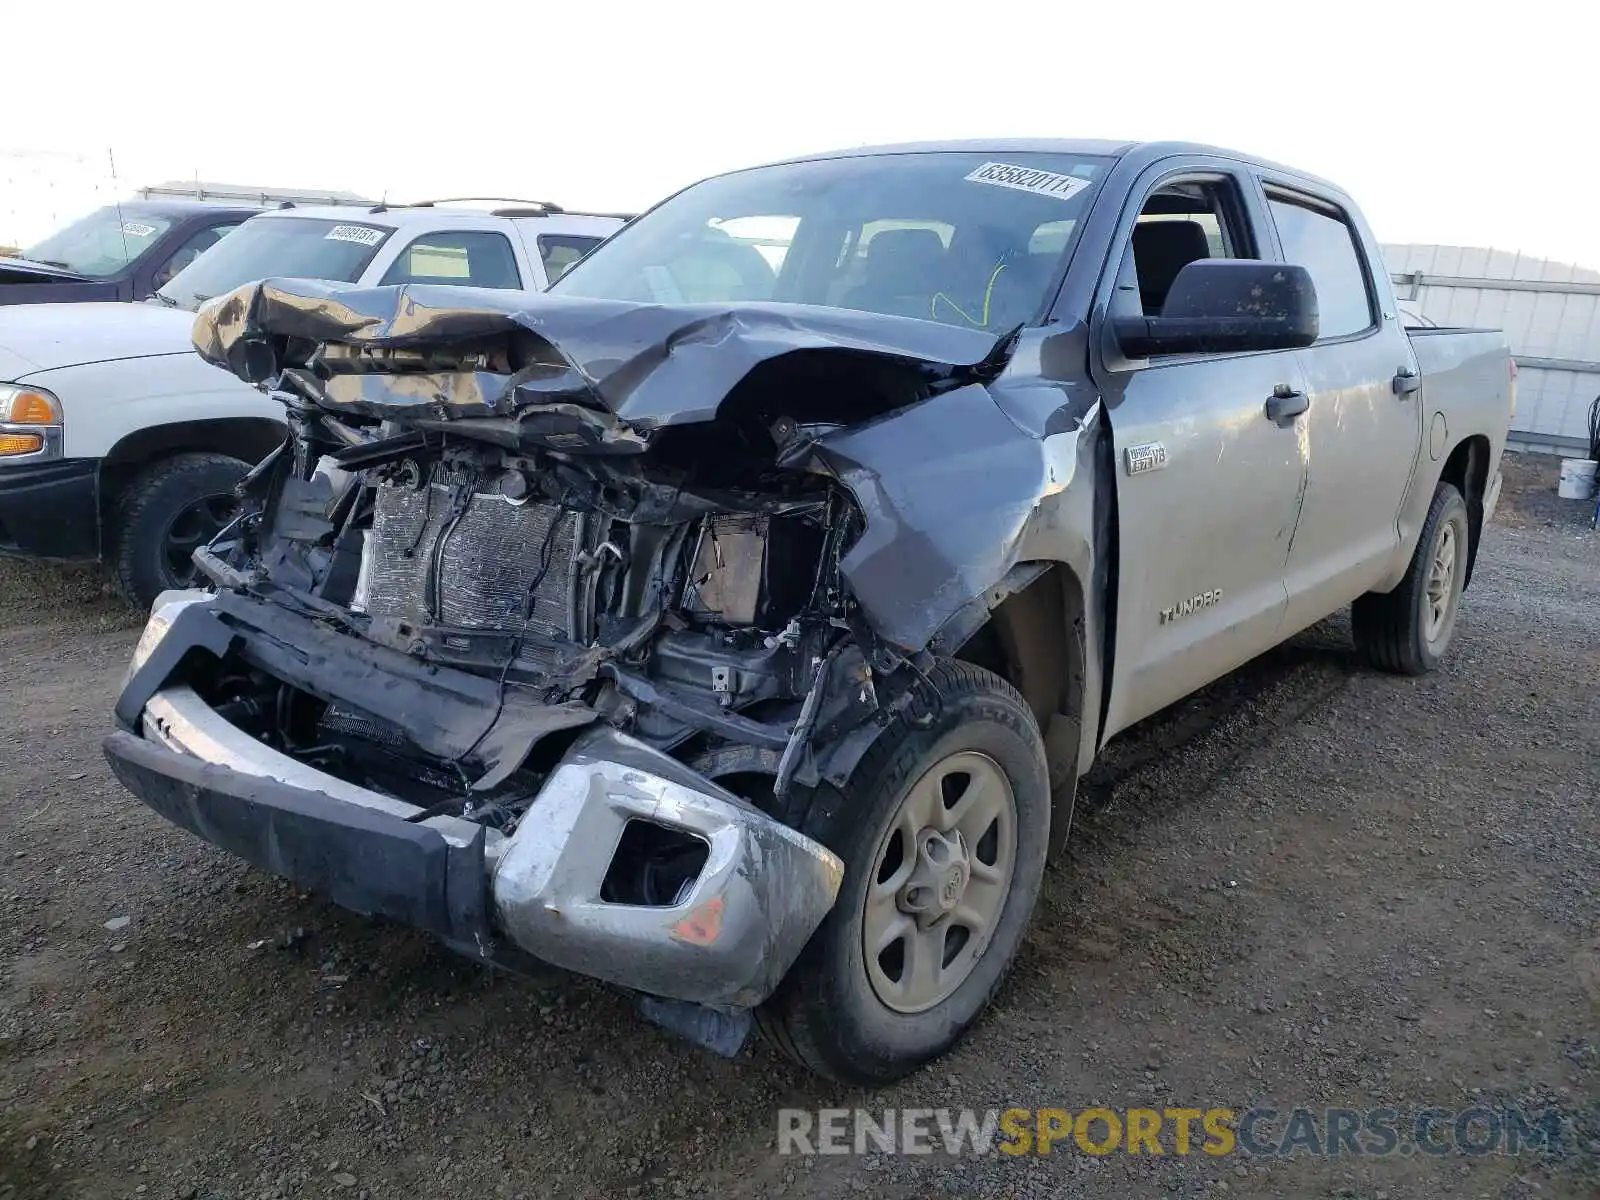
[{"x": 50, "y": 509}]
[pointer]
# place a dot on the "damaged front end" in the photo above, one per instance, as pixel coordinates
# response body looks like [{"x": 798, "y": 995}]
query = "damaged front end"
[{"x": 547, "y": 609}]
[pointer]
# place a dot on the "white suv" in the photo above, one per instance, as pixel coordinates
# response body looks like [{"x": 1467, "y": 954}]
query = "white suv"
[{"x": 118, "y": 443}]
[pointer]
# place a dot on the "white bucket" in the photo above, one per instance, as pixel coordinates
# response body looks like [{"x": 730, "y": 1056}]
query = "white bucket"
[{"x": 1577, "y": 478}]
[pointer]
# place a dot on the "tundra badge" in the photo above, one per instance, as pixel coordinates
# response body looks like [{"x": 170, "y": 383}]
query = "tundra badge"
[
  {"x": 1151, "y": 456},
  {"x": 1193, "y": 604}
]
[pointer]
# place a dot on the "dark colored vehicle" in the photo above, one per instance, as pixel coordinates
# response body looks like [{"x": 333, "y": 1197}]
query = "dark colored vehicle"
[
  {"x": 734, "y": 621},
  {"x": 122, "y": 252}
]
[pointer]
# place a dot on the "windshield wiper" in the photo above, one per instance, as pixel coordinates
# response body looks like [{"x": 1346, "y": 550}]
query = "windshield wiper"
[{"x": 167, "y": 300}]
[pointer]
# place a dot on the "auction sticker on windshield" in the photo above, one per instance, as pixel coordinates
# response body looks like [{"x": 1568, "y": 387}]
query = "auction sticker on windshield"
[
  {"x": 137, "y": 229},
  {"x": 1028, "y": 179},
  {"x": 364, "y": 235}
]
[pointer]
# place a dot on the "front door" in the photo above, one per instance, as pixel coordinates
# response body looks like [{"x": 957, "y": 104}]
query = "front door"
[{"x": 1208, "y": 486}]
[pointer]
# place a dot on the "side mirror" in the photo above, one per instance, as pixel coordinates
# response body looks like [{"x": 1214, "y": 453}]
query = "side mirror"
[{"x": 1226, "y": 305}]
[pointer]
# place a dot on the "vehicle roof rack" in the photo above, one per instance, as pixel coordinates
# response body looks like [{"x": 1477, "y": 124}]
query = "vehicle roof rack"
[
  {"x": 566, "y": 212},
  {"x": 534, "y": 207},
  {"x": 242, "y": 193}
]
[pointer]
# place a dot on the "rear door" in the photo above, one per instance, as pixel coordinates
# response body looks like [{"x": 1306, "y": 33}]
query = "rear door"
[
  {"x": 1208, "y": 488},
  {"x": 1364, "y": 431}
]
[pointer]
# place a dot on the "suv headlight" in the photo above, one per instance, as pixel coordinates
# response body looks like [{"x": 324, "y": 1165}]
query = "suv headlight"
[{"x": 30, "y": 422}]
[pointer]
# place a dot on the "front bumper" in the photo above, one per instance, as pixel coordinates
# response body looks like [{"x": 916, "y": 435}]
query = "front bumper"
[
  {"x": 727, "y": 940},
  {"x": 50, "y": 509}
]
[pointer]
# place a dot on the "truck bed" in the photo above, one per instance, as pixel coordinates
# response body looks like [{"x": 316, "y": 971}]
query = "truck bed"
[{"x": 1465, "y": 373}]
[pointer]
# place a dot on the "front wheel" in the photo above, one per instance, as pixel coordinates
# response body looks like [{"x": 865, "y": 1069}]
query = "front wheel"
[
  {"x": 943, "y": 831},
  {"x": 169, "y": 510}
]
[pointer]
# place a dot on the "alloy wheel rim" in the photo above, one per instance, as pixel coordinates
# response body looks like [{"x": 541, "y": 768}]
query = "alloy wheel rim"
[
  {"x": 1440, "y": 593},
  {"x": 195, "y": 525},
  {"x": 939, "y": 881}
]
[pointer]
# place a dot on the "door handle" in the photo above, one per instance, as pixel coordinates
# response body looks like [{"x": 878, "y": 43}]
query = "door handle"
[
  {"x": 1285, "y": 404},
  {"x": 1405, "y": 382}
]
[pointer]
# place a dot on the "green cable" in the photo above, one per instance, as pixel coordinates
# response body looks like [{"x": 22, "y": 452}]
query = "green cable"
[{"x": 988, "y": 292}]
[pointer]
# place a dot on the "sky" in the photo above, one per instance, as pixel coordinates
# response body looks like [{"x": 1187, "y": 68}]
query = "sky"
[{"x": 1453, "y": 123}]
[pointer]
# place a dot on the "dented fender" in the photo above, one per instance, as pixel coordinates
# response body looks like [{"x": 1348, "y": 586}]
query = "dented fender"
[
  {"x": 954, "y": 494},
  {"x": 965, "y": 505}
]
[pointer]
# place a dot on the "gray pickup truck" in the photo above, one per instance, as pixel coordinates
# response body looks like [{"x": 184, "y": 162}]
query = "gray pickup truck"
[{"x": 734, "y": 621}]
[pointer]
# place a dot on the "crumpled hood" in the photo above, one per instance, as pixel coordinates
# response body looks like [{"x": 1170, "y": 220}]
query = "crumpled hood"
[
  {"x": 949, "y": 484},
  {"x": 650, "y": 365},
  {"x": 50, "y": 336}
]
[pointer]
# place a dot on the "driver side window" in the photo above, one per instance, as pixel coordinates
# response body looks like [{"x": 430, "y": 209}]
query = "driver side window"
[
  {"x": 1181, "y": 222},
  {"x": 191, "y": 249}
]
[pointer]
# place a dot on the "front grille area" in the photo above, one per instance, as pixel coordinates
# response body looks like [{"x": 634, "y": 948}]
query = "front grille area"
[
  {"x": 342, "y": 720},
  {"x": 449, "y": 554}
]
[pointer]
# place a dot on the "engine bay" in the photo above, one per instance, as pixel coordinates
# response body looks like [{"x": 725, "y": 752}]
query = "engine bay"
[{"x": 695, "y": 607}]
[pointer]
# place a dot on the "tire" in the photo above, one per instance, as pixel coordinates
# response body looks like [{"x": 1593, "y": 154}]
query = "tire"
[
  {"x": 830, "y": 1013},
  {"x": 1406, "y": 631},
  {"x": 170, "y": 508}
]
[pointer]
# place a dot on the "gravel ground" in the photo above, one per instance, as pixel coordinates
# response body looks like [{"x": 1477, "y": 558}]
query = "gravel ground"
[{"x": 1309, "y": 885}]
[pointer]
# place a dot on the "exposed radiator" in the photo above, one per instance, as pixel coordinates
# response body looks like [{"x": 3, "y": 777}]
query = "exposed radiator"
[{"x": 440, "y": 555}]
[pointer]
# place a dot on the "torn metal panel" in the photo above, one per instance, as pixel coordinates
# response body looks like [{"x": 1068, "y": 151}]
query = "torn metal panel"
[
  {"x": 949, "y": 490},
  {"x": 727, "y": 937}
]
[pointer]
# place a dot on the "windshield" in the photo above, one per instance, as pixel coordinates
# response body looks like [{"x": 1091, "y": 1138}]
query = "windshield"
[
  {"x": 103, "y": 243},
  {"x": 961, "y": 238},
  {"x": 303, "y": 247}
]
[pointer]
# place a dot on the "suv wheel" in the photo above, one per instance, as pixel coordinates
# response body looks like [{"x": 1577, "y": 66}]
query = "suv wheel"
[{"x": 168, "y": 511}]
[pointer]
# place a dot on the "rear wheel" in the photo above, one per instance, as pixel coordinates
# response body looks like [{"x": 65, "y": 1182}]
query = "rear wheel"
[
  {"x": 1407, "y": 631},
  {"x": 943, "y": 832},
  {"x": 170, "y": 509}
]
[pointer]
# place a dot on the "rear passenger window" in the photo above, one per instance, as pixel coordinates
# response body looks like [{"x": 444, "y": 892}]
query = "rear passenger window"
[
  {"x": 1321, "y": 240},
  {"x": 476, "y": 259}
]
